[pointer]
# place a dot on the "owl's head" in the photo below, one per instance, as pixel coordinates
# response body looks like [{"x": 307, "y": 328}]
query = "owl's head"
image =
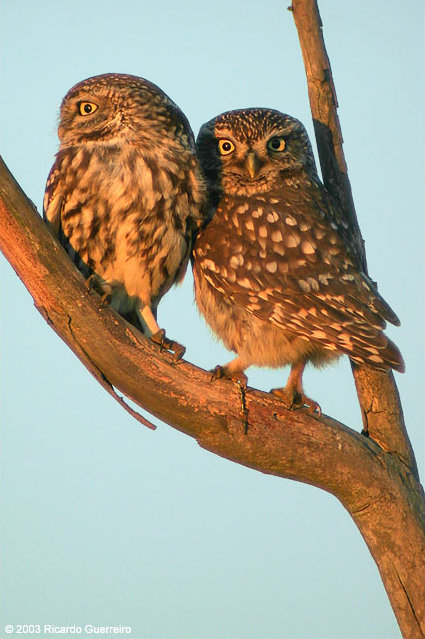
[
  {"x": 109, "y": 106},
  {"x": 252, "y": 150}
]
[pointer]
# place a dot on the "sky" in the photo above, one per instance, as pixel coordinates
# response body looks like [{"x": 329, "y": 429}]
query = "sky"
[{"x": 105, "y": 522}]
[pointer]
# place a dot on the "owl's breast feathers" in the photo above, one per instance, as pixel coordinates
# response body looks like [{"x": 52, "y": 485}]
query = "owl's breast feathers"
[
  {"x": 104, "y": 202},
  {"x": 286, "y": 258}
]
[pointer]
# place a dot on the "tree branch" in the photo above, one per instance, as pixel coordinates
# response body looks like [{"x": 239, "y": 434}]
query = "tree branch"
[
  {"x": 117, "y": 352},
  {"x": 354, "y": 468},
  {"x": 377, "y": 392},
  {"x": 381, "y": 492}
]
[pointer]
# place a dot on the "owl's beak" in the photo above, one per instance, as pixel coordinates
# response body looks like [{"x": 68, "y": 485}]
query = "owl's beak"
[{"x": 252, "y": 164}]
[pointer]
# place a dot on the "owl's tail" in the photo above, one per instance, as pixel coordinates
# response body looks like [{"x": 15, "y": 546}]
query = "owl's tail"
[
  {"x": 388, "y": 357},
  {"x": 393, "y": 356}
]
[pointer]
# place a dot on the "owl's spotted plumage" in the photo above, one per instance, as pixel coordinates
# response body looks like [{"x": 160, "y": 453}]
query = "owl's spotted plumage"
[
  {"x": 125, "y": 193},
  {"x": 277, "y": 277}
]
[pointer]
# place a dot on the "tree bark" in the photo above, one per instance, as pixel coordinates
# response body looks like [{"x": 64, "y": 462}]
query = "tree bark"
[
  {"x": 377, "y": 392},
  {"x": 374, "y": 476}
]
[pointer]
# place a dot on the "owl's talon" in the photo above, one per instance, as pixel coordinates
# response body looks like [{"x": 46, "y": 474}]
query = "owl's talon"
[
  {"x": 293, "y": 399},
  {"x": 178, "y": 350},
  {"x": 314, "y": 407},
  {"x": 217, "y": 373},
  {"x": 93, "y": 283},
  {"x": 164, "y": 343},
  {"x": 240, "y": 378},
  {"x": 90, "y": 283},
  {"x": 220, "y": 372},
  {"x": 159, "y": 338},
  {"x": 105, "y": 300},
  {"x": 290, "y": 397}
]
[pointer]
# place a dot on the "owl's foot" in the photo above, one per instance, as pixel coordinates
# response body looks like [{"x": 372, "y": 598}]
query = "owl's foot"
[
  {"x": 293, "y": 399},
  {"x": 222, "y": 372},
  {"x": 91, "y": 283},
  {"x": 166, "y": 344},
  {"x": 105, "y": 300}
]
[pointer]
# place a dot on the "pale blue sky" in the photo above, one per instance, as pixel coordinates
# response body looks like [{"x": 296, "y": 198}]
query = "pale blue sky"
[{"x": 105, "y": 522}]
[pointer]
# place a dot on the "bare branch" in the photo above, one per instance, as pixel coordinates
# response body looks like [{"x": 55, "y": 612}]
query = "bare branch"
[
  {"x": 379, "y": 400},
  {"x": 375, "y": 477},
  {"x": 119, "y": 356},
  {"x": 377, "y": 392},
  {"x": 324, "y": 105}
]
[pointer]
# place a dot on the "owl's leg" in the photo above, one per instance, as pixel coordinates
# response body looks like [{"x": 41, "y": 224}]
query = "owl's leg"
[
  {"x": 234, "y": 370},
  {"x": 151, "y": 328},
  {"x": 293, "y": 394}
]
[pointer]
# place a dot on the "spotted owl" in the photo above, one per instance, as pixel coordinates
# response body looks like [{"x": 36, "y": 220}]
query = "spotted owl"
[
  {"x": 276, "y": 274},
  {"x": 125, "y": 194}
]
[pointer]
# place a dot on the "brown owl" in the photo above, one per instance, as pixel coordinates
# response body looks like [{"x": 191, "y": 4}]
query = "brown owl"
[
  {"x": 126, "y": 193},
  {"x": 276, "y": 275}
]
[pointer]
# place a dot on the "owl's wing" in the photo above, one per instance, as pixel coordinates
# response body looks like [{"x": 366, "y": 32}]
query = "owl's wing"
[
  {"x": 53, "y": 199},
  {"x": 291, "y": 266},
  {"x": 193, "y": 226}
]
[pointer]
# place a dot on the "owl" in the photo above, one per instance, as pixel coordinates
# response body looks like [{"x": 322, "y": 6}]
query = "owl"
[
  {"x": 125, "y": 194},
  {"x": 276, "y": 274}
]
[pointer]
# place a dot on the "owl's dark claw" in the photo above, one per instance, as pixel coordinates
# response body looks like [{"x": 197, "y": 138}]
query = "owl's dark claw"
[
  {"x": 178, "y": 350},
  {"x": 105, "y": 300},
  {"x": 313, "y": 406},
  {"x": 290, "y": 397},
  {"x": 90, "y": 283},
  {"x": 220, "y": 372},
  {"x": 217, "y": 373},
  {"x": 93, "y": 284},
  {"x": 293, "y": 399},
  {"x": 166, "y": 344}
]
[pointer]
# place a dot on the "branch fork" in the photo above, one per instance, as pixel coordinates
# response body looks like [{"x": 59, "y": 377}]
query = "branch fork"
[{"x": 374, "y": 477}]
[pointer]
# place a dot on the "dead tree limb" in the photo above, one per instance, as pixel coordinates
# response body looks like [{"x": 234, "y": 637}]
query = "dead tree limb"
[
  {"x": 377, "y": 392},
  {"x": 374, "y": 477}
]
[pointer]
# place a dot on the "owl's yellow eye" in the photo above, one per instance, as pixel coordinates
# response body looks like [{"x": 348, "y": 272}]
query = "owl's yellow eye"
[
  {"x": 86, "y": 108},
  {"x": 276, "y": 144},
  {"x": 225, "y": 147}
]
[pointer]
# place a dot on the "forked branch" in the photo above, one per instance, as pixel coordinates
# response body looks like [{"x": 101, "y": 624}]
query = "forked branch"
[
  {"x": 377, "y": 392},
  {"x": 374, "y": 477}
]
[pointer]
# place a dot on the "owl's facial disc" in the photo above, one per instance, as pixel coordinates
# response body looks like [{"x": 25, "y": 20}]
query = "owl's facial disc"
[
  {"x": 253, "y": 151},
  {"x": 88, "y": 116},
  {"x": 250, "y": 156}
]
